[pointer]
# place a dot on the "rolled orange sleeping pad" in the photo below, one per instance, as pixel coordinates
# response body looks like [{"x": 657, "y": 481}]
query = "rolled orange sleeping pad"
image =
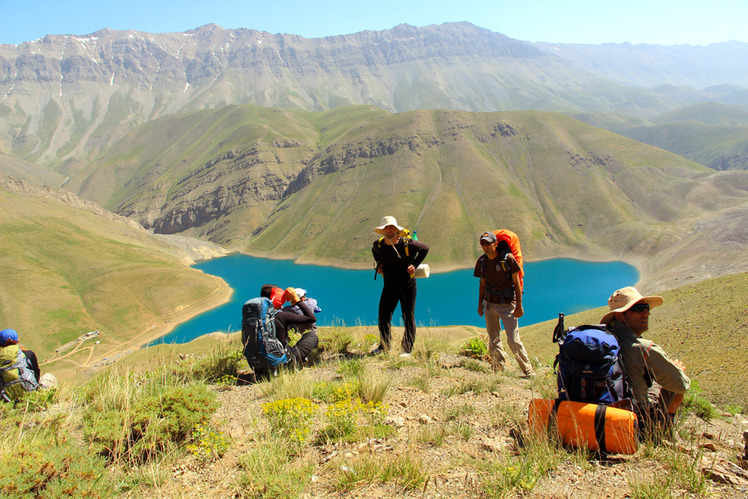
[{"x": 589, "y": 426}]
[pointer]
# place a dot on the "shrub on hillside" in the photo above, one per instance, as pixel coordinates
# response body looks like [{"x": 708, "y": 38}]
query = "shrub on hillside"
[
  {"x": 696, "y": 403},
  {"x": 151, "y": 425},
  {"x": 475, "y": 348},
  {"x": 45, "y": 468},
  {"x": 41, "y": 459}
]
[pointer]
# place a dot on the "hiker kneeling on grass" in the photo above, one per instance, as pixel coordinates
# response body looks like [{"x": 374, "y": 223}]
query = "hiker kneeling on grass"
[
  {"x": 19, "y": 369},
  {"x": 274, "y": 326},
  {"x": 657, "y": 381}
]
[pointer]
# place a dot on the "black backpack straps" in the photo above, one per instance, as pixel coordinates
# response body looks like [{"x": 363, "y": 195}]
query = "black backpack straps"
[
  {"x": 600, "y": 427},
  {"x": 553, "y": 419}
]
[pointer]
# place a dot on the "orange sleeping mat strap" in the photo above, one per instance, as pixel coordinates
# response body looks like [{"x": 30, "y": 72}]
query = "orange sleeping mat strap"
[{"x": 595, "y": 427}]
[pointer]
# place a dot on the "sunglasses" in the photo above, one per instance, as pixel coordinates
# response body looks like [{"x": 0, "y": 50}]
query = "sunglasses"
[{"x": 640, "y": 307}]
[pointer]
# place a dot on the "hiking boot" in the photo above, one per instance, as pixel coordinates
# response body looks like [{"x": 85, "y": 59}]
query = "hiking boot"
[
  {"x": 294, "y": 363},
  {"x": 378, "y": 350}
]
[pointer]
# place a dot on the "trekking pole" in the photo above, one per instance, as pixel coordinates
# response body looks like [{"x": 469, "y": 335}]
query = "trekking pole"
[{"x": 558, "y": 333}]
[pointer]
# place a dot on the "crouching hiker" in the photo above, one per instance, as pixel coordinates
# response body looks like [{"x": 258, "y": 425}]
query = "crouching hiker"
[
  {"x": 657, "y": 381},
  {"x": 265, "y": 332},
  {"x": 19, "y": 369}
]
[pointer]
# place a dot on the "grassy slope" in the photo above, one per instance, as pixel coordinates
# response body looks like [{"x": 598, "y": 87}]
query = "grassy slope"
[
  {"x": 15, "y": 167},
  {"x": 701, "y": 132},
  {"x": 68, "y": 271},
  {"x": 700, "y": 142},
  {"x": 703, "y": 324}
]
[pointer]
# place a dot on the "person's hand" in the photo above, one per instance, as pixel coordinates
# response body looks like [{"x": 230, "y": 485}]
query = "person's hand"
[
  {"x": 411, "y": 269},
  {"x": 679, "y": 364},
  {"x": 480, "y": 309},
  {"x": 291, "y": 293},
  {"x": 518, "y": 311}
]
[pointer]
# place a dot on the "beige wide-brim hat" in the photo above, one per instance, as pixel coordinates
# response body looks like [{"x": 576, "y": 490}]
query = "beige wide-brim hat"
[
  {"x": 625, "y": 298},
  {"x": 388, "y": 220}
]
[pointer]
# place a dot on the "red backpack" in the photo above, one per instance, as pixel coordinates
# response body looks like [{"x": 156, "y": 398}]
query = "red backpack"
[{"x": 513, "y": 241}]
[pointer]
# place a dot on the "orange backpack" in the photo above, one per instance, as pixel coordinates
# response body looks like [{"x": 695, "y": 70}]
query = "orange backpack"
[{"x": 513, "y": 241}]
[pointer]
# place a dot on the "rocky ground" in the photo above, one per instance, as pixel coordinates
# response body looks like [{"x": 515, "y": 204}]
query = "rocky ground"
[{"x": 451, "y": 430}]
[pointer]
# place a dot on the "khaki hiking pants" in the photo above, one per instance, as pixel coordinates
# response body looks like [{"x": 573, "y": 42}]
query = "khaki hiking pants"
[{"x": 495, "y": 312}]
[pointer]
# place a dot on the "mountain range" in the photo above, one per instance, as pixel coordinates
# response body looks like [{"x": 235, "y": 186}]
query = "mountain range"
[
  {"x": 64, "y": 99},
  {"x": 272, "y": 143}
]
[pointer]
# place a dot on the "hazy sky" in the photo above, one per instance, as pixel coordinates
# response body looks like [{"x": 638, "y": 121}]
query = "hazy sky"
[{"x": 666, "y": 22}]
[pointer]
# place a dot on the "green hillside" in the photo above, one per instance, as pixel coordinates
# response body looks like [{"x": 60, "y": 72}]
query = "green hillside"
[
  {"x": 68, "y": 271},
  {"x": 710, "y": 113},
  {"x": 719, "y": 147},
  {"x": 712, "y": 134},
  {"x": 282, "y": 183},
  {"x": 18, "y": 168}
]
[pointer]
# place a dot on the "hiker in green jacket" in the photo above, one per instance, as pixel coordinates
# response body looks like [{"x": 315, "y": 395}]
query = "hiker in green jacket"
[
  {"x": 658, "y": 382},
  {"x": 19, "y": 369}
]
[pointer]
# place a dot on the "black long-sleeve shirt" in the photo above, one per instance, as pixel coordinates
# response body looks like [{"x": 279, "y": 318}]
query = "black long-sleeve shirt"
[
  {"x": 395, "y": 262},
  {"x": 284, "y": 320}
]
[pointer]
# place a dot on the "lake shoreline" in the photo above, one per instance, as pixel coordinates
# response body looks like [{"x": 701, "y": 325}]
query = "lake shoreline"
[
  {"x": 591, "y": 283},
  {"x": 640, "y": 263}
]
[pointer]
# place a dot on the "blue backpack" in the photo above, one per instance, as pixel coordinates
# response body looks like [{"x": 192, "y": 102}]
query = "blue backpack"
[
  {"x": 588, "y": 365},
  {"x": 261, "y": 346}
]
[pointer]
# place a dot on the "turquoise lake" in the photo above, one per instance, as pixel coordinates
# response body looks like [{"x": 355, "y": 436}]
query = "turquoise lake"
[{"x": 351, "y": 297}]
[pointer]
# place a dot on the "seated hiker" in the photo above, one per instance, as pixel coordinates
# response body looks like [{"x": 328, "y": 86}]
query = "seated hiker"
[
  {"x": 658, "y": 382},
  {"x": 301, "y": 293},
  {"x": 303, "y": 321},
  {"x": 19, "y": 368}
]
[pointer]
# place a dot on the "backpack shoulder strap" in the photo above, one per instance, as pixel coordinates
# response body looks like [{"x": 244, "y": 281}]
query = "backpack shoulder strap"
[{"x": 377, "y": 248}]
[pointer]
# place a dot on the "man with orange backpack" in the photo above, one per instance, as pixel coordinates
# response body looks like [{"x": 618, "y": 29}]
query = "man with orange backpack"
[{"x": 500, "y": 299}]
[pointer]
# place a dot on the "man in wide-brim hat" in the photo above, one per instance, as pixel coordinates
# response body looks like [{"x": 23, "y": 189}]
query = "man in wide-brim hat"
[
  {"x": 396, "y": 258},
  {"x": 657, "y": 381}
]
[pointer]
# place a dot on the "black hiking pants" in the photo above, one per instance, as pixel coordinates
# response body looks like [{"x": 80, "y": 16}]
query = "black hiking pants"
[
  {"x": 405, "y": 293},
  {"x": 304, "y": 346},
  {"x": 300, "y": 351}
]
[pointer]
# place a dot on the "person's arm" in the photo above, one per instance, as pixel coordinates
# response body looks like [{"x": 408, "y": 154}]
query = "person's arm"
[
  {"x": 668, "y": 373},
  {"x": 422, "y": 249},
  {"x": 376, "y": 253},
  {"x": 518, "y": 310},
  {"x": 481, "y": 295},
  {"x": 287, "y": 319}
]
